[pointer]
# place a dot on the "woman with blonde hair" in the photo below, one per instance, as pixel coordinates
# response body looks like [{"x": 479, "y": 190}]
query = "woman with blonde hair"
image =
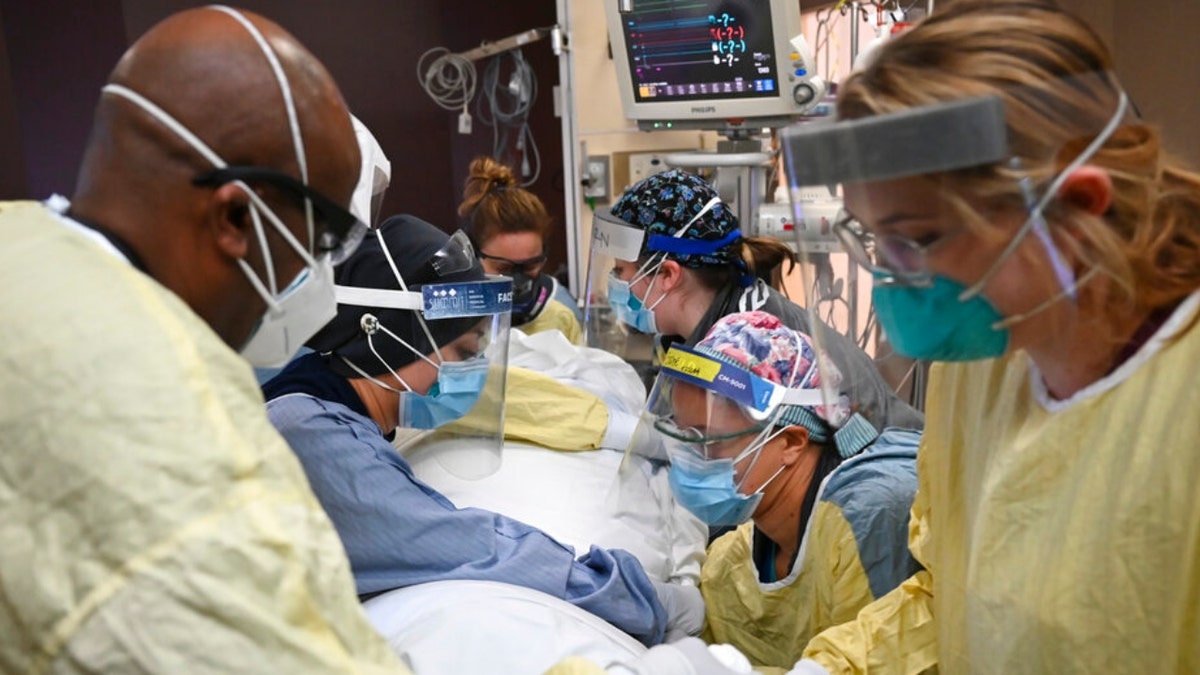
[
  {"x": 1024, "y": 227},
  {"x": 509, "y": 227}
]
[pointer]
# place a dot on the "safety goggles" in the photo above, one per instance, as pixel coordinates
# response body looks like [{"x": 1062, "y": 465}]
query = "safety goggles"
[
  {"x": 529, "y": 266},
  {"x": 340, "y": 232}
]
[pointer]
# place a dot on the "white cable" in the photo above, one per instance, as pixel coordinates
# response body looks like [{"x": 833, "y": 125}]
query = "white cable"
[
  {"x": 507, "y": 112},
  {"x": 448, "y": 78}
]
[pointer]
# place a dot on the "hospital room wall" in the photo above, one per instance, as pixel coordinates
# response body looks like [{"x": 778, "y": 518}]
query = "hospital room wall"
[
  {"x": 55, "y": 55},
  {"x": 12, "y": 173},
  {"x": 1158, "y": 60}
]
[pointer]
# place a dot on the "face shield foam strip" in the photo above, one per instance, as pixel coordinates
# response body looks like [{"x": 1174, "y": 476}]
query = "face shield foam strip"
[{"x": 929, "y": 139}]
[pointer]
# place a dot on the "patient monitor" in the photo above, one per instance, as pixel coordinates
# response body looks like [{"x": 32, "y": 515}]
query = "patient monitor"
[{"x": 712, "y": 64}]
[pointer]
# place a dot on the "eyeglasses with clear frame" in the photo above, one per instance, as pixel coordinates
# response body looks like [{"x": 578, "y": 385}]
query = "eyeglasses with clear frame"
[
  {"x": 897, "y": 258},
  {"x": 716, "y": 446}
]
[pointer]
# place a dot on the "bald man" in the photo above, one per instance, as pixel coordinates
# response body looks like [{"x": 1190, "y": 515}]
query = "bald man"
[{"x": 151, "y": 520}]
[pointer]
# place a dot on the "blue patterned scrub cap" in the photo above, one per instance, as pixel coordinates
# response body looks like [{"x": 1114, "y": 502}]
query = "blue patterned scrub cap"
[{"x": 665, "y": 202}]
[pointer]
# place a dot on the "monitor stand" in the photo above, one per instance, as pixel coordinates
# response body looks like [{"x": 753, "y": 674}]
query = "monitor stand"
[{"x": 740, "y": 170}]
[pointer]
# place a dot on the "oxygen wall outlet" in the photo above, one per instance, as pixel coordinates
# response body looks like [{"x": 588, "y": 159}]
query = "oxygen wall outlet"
[{"x": 595, "y": 177}]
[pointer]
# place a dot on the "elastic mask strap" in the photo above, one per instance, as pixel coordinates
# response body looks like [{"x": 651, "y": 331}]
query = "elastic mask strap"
[
  {"x": 646, "y": 270},
  {"x": 768, "y": 481},
  {"x": 268, "y": 259},
  {"x": 1051, "y": 193},
  {"x": 267, "y": 296},
  {"x": 288, "y": 102},
  {"x": 373, "y": 379},
  {"x": 652, "y": 265},
  {"x": 1010, "y": 321},
  {"x": 410, "y": 348},
  {"x": 258, "y": 209},
  {"x": 768, "y": 434},
  {"x": 404, "y": 287},
  {"x": 280, "y": 228},
  {"x": 1066, "y": 278},
  {"x": 708, "y": 206},
  {"x": 167, "y": 120}
]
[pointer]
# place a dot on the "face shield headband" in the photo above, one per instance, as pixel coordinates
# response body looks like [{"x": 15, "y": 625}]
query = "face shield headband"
[
  {"x": 927, "y": 316},
  {"x": 459, "y": 383},
  {"x": 760, "y": 398}
]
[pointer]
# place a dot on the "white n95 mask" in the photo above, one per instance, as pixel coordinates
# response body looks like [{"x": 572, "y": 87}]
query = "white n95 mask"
[{"x": 297, "y": 313}]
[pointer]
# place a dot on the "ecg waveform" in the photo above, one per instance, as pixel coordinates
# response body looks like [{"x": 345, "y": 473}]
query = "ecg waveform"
[
  {"x": 694, "y": 49},
  {"x": 696, "y": 41}
]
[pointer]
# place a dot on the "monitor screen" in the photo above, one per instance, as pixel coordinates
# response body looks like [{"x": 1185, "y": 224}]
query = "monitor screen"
[
  {"x": 685, "y": 51},
  {"x": 711, "y": 64}
]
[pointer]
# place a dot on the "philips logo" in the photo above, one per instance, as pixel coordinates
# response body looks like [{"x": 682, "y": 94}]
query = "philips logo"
[{"x": 701, "y": 109}]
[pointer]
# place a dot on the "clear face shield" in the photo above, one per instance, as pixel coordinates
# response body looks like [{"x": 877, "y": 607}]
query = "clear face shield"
[
  {"x": 912, "y": 183},
  {"x": 451, "y": 398},
  {"x": 711, "y": 420},
  {"x": 612, "y": 262},
  {"x": 622, "y": 292}
]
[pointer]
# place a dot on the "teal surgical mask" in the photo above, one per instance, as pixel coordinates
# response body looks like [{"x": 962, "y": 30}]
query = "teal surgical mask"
[{"x": 932, "y": 323}]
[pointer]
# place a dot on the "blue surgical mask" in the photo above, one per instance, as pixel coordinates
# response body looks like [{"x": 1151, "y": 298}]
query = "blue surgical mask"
[
  {"x": 458, "y": 387},
  {"x": 933, "y": 323},
  {"x": 629, "y": 308},
  {"x": 706, "y": 487}
]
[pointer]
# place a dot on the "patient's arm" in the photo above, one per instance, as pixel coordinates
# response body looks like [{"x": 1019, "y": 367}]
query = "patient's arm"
[{"x": 398, "y": 531}]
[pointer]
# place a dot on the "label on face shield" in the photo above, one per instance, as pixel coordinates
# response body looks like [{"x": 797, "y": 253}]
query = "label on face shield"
[
  {"x": 734, "y": 383},
  {"x": 468, "y": 298},
  {"x": 622, "y": 242}
]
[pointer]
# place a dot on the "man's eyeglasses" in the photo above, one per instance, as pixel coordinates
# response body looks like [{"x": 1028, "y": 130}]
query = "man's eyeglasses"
[
  {"x": 714, "y": 446},
  {"x": 888, "y": 255},
  {"x": 342, "y": 229},
  {"x": 529, "y": 266}
]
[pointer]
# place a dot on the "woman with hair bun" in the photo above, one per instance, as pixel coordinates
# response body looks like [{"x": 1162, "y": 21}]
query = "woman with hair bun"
[{"x": 509, "y": 227}]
